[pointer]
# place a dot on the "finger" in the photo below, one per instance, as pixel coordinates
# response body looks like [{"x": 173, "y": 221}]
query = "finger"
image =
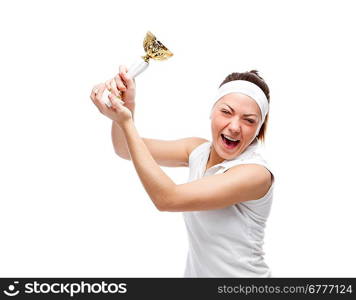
[
  {"x": 94, "y": 91},
  {"x": 129, "y": 82},
  {"x": 98, "y": 98},
  {"x": 108, "y": 85},
  {"x": 119, "y": 83},
  {"x": 113, "y": 86},
  {"x": 112, "y": 101},
  {"x": 115, "y": 101},
  {"x": 123, "y": 69}
]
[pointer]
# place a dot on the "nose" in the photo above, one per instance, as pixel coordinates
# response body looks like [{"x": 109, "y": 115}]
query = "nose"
[{"x": 235, "y": 126}]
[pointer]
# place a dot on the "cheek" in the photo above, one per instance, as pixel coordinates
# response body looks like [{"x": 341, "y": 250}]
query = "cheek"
[
  {"x": 253, "y": 128},
  {"x": 217, "y": 124},
  {"x": 250, "y": 131}
]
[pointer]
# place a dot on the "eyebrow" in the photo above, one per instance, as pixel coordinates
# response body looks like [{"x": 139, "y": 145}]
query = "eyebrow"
[{"x": 234, "y": 110}]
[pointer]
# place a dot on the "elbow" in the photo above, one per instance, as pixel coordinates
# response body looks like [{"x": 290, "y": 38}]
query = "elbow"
[
  {"x": 123, "y": 156},
  {"x": 164, "y": 202},
  {"x": 165, "y": 208},
  {"x": 161, "y": 205},
  {"x": 168, "y": 206}
]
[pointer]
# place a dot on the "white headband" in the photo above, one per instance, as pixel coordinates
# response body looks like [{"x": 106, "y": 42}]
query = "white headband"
[{"x": 249, "y": 89}]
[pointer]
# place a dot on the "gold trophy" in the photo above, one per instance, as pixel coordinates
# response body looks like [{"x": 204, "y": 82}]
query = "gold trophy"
[{"x": 154, "y": 49}]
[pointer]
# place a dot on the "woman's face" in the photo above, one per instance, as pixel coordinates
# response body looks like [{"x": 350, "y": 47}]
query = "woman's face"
[{"x": 237, "y": 117}]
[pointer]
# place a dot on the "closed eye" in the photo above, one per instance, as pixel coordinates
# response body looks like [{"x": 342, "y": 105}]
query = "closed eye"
[{"x": 229, "y": 113}]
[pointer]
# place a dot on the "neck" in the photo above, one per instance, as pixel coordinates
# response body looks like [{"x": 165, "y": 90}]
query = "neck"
[{"x": 214, "y": 159}]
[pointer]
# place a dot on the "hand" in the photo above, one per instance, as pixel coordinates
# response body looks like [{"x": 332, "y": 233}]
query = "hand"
[
  {"x": 124, "y": 84},
  {"x": 117, "y": 112}
]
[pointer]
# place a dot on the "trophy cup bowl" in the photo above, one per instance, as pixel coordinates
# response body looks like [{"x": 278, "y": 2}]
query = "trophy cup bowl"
[{"x": 154, "y": 50}]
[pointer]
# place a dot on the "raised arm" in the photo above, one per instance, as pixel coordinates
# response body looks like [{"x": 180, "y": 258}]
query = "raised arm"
[
  {"x": 168, "y": 153},
  {"x": 238, "y": 184}
]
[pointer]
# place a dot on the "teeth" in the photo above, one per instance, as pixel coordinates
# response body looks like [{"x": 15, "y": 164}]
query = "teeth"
[{"x": 230, "y": 139}]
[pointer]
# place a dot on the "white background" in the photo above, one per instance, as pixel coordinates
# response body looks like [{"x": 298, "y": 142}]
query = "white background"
[{"x": 70, "y": 207}]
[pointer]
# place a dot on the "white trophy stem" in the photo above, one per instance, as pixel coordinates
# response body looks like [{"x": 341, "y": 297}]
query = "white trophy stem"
[
  {"x": 134, "y": 70},
  {"x": 137, "y": 68}
]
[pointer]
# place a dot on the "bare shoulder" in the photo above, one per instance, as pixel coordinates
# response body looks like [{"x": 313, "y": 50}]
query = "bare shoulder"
[
  {"x": 172, "y": 153},
  {"x": 258, "y": 177},
  {"x": 256, "y": 171},
  {"x": 194, "y": 142}
]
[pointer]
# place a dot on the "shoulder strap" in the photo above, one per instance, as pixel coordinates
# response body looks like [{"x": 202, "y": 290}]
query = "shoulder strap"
[{"x": 197, "y": 151}]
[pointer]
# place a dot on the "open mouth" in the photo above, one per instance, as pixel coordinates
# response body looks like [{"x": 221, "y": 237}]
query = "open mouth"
[{"x": 229, "y": 143}]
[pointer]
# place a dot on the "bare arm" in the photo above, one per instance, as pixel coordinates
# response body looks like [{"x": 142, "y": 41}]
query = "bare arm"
[
  {"x": 171, "y": 153},
  {"x": 127, "y": 87},
  {"x": 240, "y": 183},
  {"x": 119, "y": 141}
]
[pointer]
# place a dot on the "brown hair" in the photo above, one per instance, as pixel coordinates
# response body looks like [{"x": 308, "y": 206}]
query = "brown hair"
[{"x": 255, "y": 78}]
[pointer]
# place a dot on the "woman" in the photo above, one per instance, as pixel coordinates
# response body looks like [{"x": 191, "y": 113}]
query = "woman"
[{"x": 227, "y": 199}]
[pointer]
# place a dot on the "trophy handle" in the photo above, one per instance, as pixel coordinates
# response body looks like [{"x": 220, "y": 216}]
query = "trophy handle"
[
  {"x": 137, "y": 68},
  {"x": 134, "y": 70}
]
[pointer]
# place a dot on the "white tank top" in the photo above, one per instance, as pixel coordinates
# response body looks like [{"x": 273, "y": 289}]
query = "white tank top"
[{"x": 227, "y": 242}]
